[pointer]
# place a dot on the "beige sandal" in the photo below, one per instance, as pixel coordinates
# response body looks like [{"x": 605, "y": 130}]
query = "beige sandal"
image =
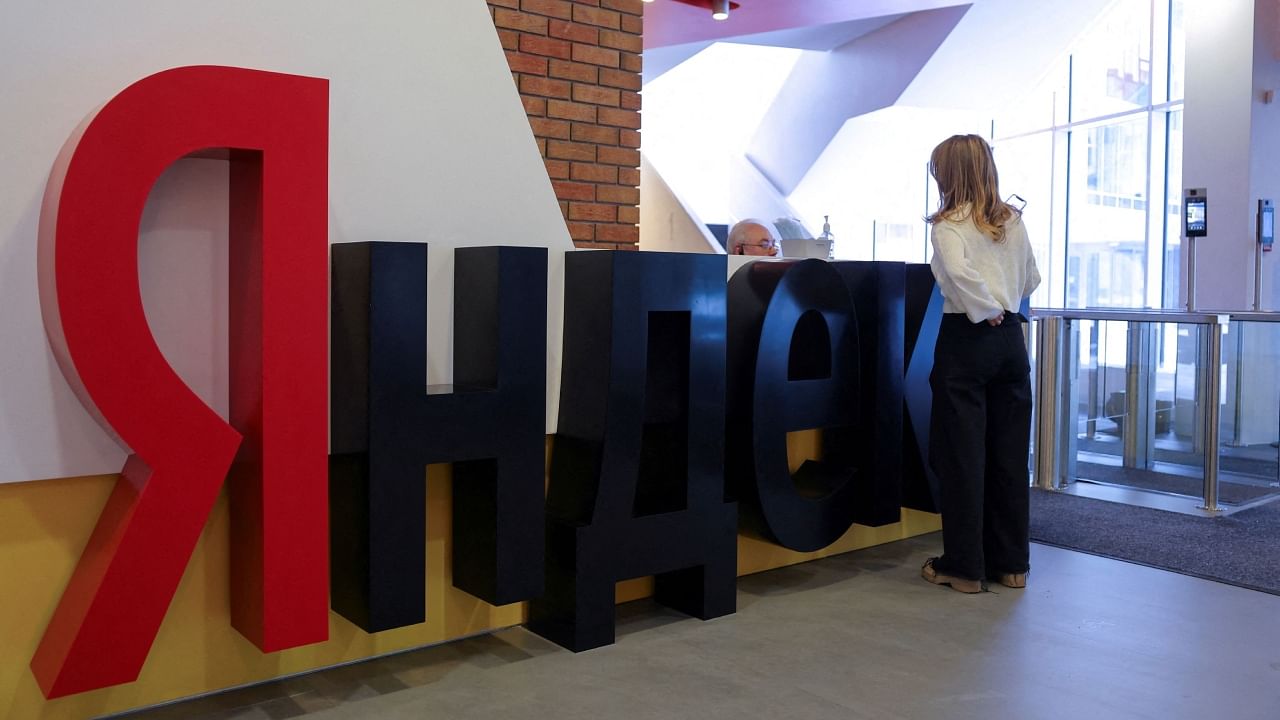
[
  {"x": 1013, "y": 580},
  {"x": 958, "y": 584}
]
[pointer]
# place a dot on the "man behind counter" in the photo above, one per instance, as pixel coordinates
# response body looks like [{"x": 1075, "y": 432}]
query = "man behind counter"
[{"x": 753, "y": 237}]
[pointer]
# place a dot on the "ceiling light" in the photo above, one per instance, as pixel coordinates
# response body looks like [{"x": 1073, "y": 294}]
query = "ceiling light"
[{"x": 720, "y": 9}]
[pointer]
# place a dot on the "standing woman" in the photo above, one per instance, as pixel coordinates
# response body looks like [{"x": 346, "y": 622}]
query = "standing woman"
[{"x": 981, "y": 423}]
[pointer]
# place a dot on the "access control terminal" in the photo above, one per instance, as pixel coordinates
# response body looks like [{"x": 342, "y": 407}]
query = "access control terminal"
[
  {"x": 1266, "y": 224},
  {"x": 1195, "y": 213}
]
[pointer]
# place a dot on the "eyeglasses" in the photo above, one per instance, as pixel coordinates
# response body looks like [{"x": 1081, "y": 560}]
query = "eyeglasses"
[
  {"x": 1017, "y": 202},
  {"x": 765, "y": 247}
]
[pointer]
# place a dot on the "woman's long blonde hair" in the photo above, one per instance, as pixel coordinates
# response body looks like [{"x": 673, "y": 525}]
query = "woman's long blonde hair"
[{"x": 965, "y": 171}]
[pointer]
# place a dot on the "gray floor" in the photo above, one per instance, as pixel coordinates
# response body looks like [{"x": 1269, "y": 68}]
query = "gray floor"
[{"x": 854, "y": 636}]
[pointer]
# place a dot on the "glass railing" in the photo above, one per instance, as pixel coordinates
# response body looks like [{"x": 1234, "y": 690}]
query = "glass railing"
[{"x": 1176, "y": 404}]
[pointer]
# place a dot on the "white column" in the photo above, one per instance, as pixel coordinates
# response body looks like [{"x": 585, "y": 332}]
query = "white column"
[{"x": 1216, "y": 146}]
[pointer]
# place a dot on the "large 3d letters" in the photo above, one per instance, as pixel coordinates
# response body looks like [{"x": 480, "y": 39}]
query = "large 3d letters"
[
  {"x": 636, "y": 471},
  {"x": 793, "y": 365},
  {"x": 274, "y": 130},
  {"x": 924, "y": 317},
  {"x": 388, "y": 425},
  {"x": 878, "y": 291}
]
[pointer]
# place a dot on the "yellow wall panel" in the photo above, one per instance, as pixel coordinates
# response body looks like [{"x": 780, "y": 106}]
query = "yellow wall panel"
[{"x": 43, "y": 527}]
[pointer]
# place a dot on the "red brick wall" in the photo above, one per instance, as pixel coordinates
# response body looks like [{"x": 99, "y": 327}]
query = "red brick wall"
[{"x": 577, "y": 66}]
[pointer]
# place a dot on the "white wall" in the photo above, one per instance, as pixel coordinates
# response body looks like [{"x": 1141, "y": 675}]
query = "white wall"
[
  {"x": 428, "y": 142},
  {"x": 667, "y": 224},
  {"x": 1216, "y": 153},
  {"x": 1264, "y": 168}
]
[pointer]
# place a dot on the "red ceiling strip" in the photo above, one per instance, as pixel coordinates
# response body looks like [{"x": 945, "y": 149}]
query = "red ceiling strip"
[{"x": 707, "y": 4}]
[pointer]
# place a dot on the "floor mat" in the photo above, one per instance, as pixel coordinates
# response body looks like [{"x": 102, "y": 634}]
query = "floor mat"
[{"x": 1238, "y": 549}]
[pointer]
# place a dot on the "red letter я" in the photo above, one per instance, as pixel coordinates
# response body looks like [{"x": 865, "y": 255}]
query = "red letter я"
[{"x": 273, "y": 129}]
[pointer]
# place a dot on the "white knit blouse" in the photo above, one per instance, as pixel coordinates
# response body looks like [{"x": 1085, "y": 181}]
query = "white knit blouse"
[{"x": 978, "y": 276}]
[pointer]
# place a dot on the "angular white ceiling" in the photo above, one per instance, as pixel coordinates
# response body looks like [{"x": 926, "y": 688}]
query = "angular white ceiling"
[
  {"x": 658, "y": 60},
  {"x": 826, "y": 89},
  {"x": 872, "y": 54}
]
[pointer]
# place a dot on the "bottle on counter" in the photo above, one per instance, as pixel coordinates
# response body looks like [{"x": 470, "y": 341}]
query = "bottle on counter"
[{"x": 828, "y": 237}]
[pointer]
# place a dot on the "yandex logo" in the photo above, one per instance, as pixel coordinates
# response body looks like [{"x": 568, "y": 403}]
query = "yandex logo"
[
  {"x": 667, "y": 373},
  {"x": 274, "y": 130}
]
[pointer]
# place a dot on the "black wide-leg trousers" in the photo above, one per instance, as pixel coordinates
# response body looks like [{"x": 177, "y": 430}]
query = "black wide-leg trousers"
[{"x": 979, "y": 435}]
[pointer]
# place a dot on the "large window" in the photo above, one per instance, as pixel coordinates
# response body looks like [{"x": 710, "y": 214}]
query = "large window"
[
  {"x": 1111, "y": 63},
  {"x": 1106, "y": 214},
  {"x": 1110, "y": 144}
]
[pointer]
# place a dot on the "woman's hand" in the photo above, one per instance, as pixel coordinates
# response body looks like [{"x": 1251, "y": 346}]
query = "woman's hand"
[{"x": 996, "y": 321}]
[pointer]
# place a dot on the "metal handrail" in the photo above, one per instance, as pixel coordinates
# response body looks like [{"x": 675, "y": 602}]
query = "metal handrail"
[
  {"x": 1199, "y": 317},
  {"x": 1131, "y": 315},
  {"x": 1253, "y": 315}
]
